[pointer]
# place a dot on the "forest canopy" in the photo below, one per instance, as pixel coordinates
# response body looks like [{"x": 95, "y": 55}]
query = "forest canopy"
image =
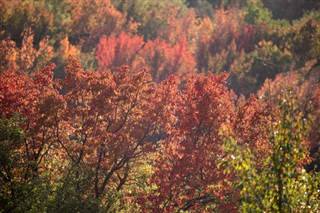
[{"x": 159, "y": 106}]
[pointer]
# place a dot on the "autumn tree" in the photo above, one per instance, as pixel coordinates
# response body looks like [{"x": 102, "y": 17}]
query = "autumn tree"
[
  {"x": 112, "y": 120},
  {"x": 251, "y": 127},
  {"x": 90, "y": 19},
  {"x": 38, "y": 105},
  {"x": 27, "y": 57},
  {"x": 186, "y": 175},
  {"x": 164, "y": 59},
  {"x": 114, "y": 51}
]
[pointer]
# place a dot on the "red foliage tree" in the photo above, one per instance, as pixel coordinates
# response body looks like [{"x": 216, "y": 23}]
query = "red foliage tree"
[
  {"x": 162, "y": 58},
  {"x": 114, "y": 119},
  {"x": 186, "y": 174},
  {"x": 99, "y": 128},
  {"x": 251, "y": 127},
  {"x": 113, "y": 52},
  {"x": 165, "y": 59},
  {"x": 38, "y": 102}
]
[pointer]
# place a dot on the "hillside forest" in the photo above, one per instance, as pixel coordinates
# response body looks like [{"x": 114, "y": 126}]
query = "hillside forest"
[{"x": 159, "y": 106}]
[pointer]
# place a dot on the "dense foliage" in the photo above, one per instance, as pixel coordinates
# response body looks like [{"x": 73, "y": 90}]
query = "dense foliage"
[{"x": 159, "y": 106}]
